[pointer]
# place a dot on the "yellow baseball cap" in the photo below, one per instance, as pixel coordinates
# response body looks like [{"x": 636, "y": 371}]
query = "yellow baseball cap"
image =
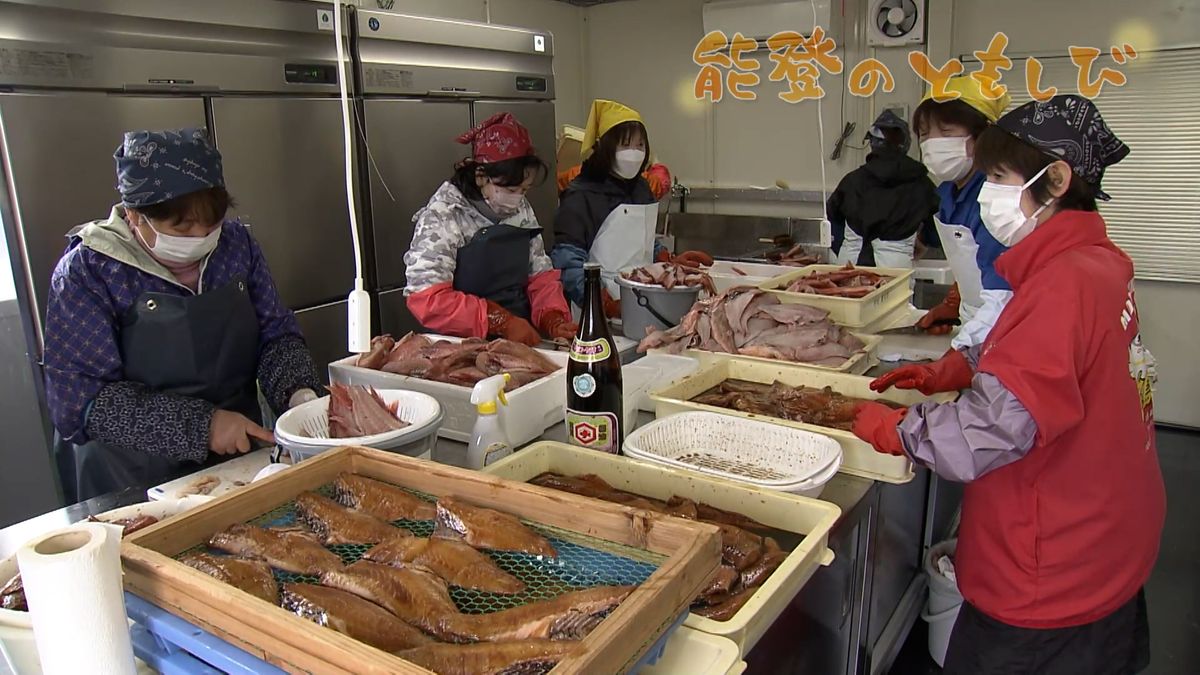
[
  {"x": 971, "y": 93},
  {"x": 605, "y": 115}
]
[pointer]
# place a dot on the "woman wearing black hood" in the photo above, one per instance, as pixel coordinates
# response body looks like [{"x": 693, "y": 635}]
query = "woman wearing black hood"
[{"x": 885, "y": 202}]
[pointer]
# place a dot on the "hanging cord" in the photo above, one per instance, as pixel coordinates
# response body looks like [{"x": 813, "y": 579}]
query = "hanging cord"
[
  {"x": 825, "y": 225},
  {"x": 348, "y": 138}
]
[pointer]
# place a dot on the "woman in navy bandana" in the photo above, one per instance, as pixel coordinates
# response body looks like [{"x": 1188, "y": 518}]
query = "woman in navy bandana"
[{"x": 163, "y": 324}]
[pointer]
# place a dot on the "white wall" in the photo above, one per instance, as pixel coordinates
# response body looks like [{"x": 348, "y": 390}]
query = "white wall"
[{"x": 1170, "y": 312}]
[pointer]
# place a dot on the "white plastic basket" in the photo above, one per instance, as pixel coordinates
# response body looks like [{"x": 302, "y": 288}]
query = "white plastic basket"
[
  {"x": 748, "y": 451},
  {"x": 304, "y": 430}
]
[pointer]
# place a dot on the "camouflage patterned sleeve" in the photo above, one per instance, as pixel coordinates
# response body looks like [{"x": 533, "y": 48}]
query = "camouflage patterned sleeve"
[
  {"x": 538, "y": 260},
  {"x": 432, "y": 258}
]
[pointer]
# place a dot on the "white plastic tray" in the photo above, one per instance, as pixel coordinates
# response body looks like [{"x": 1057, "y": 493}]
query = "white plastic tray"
[
  {"x": 858, "y": 363},
  {"x": 237, "y": 470},
  {"x": 850, "y": 312},
  {"x": 531, "y": 409},
  {"x": 787, "y": 512},
  {"x": 742, "y": 450},
  {"x": 859, "y": 458},
  {"x": 724, "y": 278},
  {"x": 690, "y": 652}
]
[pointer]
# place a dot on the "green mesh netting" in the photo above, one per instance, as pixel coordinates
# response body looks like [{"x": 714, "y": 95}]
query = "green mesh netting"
[{"x": 582, "y": 562}]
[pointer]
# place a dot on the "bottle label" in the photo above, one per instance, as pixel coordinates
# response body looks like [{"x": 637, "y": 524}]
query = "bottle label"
[
  {"x": 590, "y": 351},
  {"x": 594, "y": 431},
  {"x": 496, "y": 451},
  {"x": 584, "y": 385}
]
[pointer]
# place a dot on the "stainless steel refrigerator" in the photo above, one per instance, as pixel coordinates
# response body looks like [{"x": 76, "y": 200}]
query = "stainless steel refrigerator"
[{"x": 423, "y": 82}]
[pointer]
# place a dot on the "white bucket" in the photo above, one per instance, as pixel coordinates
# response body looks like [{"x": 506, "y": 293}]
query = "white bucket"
[{"x": 944, "y": 601}]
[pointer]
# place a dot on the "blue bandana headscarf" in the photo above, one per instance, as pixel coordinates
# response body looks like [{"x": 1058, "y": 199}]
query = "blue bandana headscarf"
[{"x": 157, "y": 166}]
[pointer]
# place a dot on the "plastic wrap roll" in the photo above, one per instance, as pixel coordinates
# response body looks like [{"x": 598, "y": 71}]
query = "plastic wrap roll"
[{"x": 73, "y": 584}]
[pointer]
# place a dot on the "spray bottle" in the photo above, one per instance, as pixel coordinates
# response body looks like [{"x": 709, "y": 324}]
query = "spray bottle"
[{"x": 489, "y": 442}]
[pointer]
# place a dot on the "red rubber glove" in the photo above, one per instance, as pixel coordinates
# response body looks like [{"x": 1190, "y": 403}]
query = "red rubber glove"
[
  {"x": 663, "y": 256},
  {"x": 510, "y": 327},
  {"x": 556, "y": 326},
  {"x": 694, "y": 259},
  {"x": 941, "y": 319},
  {"x": 612, "y": 308},
  {"x": 877, "y": 424},
  {"x": 952, "y": 372}
]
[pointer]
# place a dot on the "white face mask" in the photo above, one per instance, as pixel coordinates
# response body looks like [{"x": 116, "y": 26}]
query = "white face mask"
[
  {"x": 180, "y": 250},
  {"x": 1000, "y": 209},
  {"x": 946, "y": 158},
  {"x": 503, "y": 202},
  {"x": 629, "y": 162}
]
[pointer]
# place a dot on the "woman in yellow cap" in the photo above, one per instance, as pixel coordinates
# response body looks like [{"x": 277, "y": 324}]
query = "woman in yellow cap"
[
  {"x": 607, "y": 213},
  {"x": 947, "y": 131}
]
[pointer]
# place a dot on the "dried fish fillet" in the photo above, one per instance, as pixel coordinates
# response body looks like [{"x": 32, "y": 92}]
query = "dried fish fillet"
[
  {"x": 252, "y": 576},
  {"x": 570, "y": 616},
  {"x": 416, "y": 595},
  {"x": 287, "y": 550},
  {"x": 486, "y": 528},
  {"x": 336, "y": 524},
  {"x": 386, "y": 502},
  {"x": 351, "y": 615},
  {"x": 456, "y": 562}
]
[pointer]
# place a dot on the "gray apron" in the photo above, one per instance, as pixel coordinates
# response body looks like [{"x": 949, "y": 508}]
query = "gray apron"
[
  {"x": 494, "y": 265},
  {"x": 202, "y": 346}
]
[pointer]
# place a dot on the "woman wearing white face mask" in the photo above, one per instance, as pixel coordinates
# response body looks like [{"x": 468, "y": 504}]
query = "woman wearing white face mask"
[
  {"x": 162, "y": 325},
  {"x": 948, "y": 131},
  {"x": 1054, "y": 433},
  {"x": 607, "y": 213},
  {"x": 477, "y": 266}
]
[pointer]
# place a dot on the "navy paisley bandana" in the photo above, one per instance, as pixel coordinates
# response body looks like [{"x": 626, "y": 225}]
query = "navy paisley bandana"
[
  {"x": 1070, "y": 128},
  {"x": 157, "y": 166}
]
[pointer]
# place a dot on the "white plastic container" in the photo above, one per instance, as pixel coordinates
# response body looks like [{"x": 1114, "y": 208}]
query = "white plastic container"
[
  {"x": 747, "y": 451},
  {"x": 850, "y": 312},
  {"x": 16, "y": 628},
  {"x": 858, "y": 363},
  {"x": 859, "y": 458},
  {"x": 304, "y": 430},
  {"x": 811, "y": 519},
  {"x": 690, "y": 652},
  {"x": 724, "y": 277},
  {"x": 531, "y": 409}
]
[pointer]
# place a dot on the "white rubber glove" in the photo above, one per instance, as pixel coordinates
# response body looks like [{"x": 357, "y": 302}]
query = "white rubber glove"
[{"x": 301, "y": 397}]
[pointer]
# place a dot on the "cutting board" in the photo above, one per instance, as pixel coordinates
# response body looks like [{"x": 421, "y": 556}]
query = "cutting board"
[{"x": 238, "y": 470}]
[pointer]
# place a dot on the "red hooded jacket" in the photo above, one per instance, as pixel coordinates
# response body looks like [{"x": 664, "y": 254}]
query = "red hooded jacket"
[{"x": 1069, "y": 533}]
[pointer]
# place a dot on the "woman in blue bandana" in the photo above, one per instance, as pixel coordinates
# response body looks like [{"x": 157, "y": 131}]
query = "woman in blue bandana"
[{"x": 163, "y": 324}]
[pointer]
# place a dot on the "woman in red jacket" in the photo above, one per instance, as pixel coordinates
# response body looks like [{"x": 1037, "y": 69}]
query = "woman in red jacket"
[{"x": 1054, "y": 433}]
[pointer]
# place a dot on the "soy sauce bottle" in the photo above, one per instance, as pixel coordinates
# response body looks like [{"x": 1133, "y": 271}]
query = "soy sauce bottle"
[{"x": 594, "y": 408}]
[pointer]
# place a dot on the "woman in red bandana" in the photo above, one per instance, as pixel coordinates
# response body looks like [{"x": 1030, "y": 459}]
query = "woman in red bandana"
[
  {"x": 477, "y": 266},
  {"x": 1054, "y": 431}
]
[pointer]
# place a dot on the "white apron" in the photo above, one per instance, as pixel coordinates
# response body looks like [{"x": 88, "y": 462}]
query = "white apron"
[
  {"x": 625, "y": 239},
  {"x": 979, "y": 308},
  {"x": 895, "y": 254}
]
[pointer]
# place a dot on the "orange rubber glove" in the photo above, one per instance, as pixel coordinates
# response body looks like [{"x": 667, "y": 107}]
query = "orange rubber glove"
[
  {"x": 941, "y": 319},
  {"x": 663, "y": 256},
  {"x": 694, "y": 259},
  {"x": 952, "y": 372},
  {"x": 510, "y": 327},
  {"x": 877, "y": 424},
  {"x": 612, "y": 308},
  {"x": 556, "y": 326}
]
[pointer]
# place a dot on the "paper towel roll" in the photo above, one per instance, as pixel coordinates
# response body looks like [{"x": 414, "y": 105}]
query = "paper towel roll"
[{"x": 73, "y": 585}]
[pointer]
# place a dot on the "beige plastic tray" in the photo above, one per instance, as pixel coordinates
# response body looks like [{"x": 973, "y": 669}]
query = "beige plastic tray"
[
  {"x": 790, "y": 513},
  {"x": 690, "y": 652},
  {"x": 850, "y": 312},
  {"x": 724, "y": 278},
  {"x": 858, "y": 457},
  {"x": 530, "y": 410},
  {"x": 859, "y": 363}
]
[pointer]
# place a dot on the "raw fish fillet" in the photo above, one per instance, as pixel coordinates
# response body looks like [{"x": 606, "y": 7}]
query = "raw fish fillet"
[
  {"x": 287, "y": 550},
  {"x": 461, "y": 363},
  {"x": 455, "y": 562},
  {"x": 252, "y": 576},
  {"x": 486, "y": 528},
  {"x": 722, "y": 582},
  {"x": 356, "y": 411},
  {"x": 772, "y": 558},
  {"x": 336, "y": 524},
  {"x": 521, "y": 657},
  {"x": 570, "y": 616},
  {"x": 384, "y": 501},
  {"x": 414, "y": 594},
  {"x": 12, "y": 596},
  {"x": 739, "y": 548},
  {"x": 381, "y": 346},
  {"x": 351, "y": 615},
  {"x": 725, "y": 610}
]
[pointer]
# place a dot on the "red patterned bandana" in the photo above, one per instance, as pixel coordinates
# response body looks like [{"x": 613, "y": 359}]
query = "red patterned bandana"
[{"x": 500, "y": 137}]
